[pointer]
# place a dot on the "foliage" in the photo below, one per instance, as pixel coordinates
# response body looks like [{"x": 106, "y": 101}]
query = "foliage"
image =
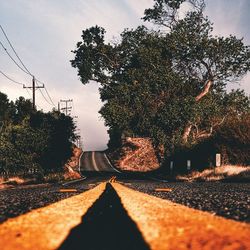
[
  {"x": 31, "y": 139},
  {"x": 167, "y": 85},
  {"x": 231, "y": 140}
]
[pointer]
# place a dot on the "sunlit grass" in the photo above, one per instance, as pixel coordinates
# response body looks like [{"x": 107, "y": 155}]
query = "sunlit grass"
[{"x": 228, "y": 172}]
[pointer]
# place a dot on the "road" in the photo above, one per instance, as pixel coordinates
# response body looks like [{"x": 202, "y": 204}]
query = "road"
[
  {"x": 95, "y": 161},
  {"x": 150, "y": 214},
  {"x": 112, "y": 216}
]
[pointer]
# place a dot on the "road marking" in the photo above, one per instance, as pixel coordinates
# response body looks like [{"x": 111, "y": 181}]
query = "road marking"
[
  {"x": 47, "y": 227},
  {"x": 167, "y": 225},
  {"x": 79, "y": 163},
  {"x": 93, "y": 160},
  {"x": 163, "y": 224},
  {"x": 74, "y": 181},
  {"x": 111, "y": 164},
  {"x": 72, "y": 190},
  {"x": 112, "y": 179},
  {"x": 163, "y": 189}
]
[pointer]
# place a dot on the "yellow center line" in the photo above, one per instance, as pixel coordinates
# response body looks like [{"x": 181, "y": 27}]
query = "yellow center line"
[
  {"x": 47, "y": 227},
  {"x": 166, "y": 225}
]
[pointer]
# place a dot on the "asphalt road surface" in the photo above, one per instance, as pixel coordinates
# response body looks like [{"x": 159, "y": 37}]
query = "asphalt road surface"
[
  {"x": 230, "y": 200},
  {"x": 95, "y": 161}
]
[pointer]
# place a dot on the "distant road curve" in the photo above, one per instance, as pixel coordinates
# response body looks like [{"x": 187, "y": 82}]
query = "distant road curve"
[{"x": 96, "y": 161}]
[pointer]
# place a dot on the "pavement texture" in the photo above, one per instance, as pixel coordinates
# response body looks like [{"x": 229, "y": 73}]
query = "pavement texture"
[
  {"x": 167, "y": 225},
  {"x": 47, "y": 227},
  {"x": 22, "y": 199},
  {"x": 230, "y": 200},
  {"x": 112, "y": 216}
]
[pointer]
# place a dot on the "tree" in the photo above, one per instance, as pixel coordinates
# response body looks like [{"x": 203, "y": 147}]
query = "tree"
[
  {"x": 59, "y": 130},
  {"x": 206, "y": 62},
  {"x": 170, "y": 85},
  {"x": 167, "y": 12},
  {"x": 32, "y": 139},
  {"x": 24, "y": 108}
]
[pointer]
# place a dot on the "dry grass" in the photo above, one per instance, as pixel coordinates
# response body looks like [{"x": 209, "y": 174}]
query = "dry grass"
[
  {"x": 136, "y": 154},
  {"x": 228, "y": 172},
  {"x": 11, "y": 181},
  {"x": 70, "y": 173}
]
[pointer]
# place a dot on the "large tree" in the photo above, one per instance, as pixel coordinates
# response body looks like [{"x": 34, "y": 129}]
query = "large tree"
[{"x": 167, "y": 84}]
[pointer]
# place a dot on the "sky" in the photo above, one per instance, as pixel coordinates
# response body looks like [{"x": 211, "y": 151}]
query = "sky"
[{"x": 44, "y": 32}]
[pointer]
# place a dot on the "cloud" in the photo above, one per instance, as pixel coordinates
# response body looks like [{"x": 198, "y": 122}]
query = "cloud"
[{"x": 44, "y": 32}]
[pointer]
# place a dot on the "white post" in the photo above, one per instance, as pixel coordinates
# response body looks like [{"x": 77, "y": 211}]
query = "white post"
[
  {"x": 171, "y": 166},
  {"x": 218, "y": 160},
  {"x": 188, "y": 165}
]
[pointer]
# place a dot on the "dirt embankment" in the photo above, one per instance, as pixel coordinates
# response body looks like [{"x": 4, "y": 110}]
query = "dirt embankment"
[
  {"x": 71, "y": 168},
  {"x": 135, "y": 154}
]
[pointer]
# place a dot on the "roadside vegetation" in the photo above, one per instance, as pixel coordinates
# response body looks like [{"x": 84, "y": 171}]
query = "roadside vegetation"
[
  {"x": 227, "y": 173},
  {"x": 169, "y": 84},
  {"x": 33, "y": 143}
]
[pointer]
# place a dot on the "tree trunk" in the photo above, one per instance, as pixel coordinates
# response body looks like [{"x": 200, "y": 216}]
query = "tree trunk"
[
  {"x": 204, "y": 92},
  {"x": 186, "y": 133}
]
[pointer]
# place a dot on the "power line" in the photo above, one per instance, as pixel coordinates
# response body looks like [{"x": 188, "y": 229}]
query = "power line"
[
  {"x": 11, "y": 78},
  {"x": 31, "y": 98},
  {"x": 13, "y": 59},
  {"x": 66, "y": 108},
  {"x": 45, "y": 97},
  {"x": 49, "y": 96},
  {"x": 24, "y": 69},
  {"x": 51, "y": 101},
  {"x": 14, "y": 49},
  {"x": 33, "y": 87},
  {"x": 28, "y": 93}
]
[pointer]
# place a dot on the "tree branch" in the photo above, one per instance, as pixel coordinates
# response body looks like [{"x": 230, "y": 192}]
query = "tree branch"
[{"x": 205, "y": 90}]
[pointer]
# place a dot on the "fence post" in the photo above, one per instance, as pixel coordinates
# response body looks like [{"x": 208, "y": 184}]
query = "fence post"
[
  {"x": 188, "y": 165},
  {"x": 218, "y": 160},
  {"x": 171, "y": 167}
]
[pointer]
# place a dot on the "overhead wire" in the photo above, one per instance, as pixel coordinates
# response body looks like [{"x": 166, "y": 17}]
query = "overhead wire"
[
  {"x": 9, "y": 78},
  {"x": 46, "y": 92},
  {"x": 45, "y": 98},
  {"x": 24, "y": 69},
  {"x": 28, "y": 93},
  {"x": 14, "y": 50},
  {"x": 49, "y": 96},
  {"x": 13, "y": 59}
]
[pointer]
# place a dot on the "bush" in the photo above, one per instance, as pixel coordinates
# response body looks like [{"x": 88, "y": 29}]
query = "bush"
[{"x": 231, "y": 140}]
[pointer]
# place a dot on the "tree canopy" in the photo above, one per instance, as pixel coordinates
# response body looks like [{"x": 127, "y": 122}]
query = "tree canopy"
[
  {"x": 169, "y": 84},
  {"x": 31, "y": 139}
]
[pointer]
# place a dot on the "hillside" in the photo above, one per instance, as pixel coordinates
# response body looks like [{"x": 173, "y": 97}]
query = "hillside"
[{"x": 135, "y": 154}]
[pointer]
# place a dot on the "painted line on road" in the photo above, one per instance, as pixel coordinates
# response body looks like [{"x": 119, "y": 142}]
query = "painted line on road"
[
  {"x": 111, "y": 164},
  {"x": 168, "y": 225},
  {"x": 49, "y": 226},
  {"x": 94, "y": 162},
  {"x": 74, "y": 181},
  {"x": 79, "y": 163}
]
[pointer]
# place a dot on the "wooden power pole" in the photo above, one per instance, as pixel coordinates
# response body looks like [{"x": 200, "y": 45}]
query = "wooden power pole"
[
  {"x": 66, "y": 108},
  {"x": 34, "y": 88}
]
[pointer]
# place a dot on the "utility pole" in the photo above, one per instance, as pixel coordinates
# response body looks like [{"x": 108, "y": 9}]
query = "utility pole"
[
  {"x": 66, "y": 108},
  {"x": 34, "y": 88}
]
